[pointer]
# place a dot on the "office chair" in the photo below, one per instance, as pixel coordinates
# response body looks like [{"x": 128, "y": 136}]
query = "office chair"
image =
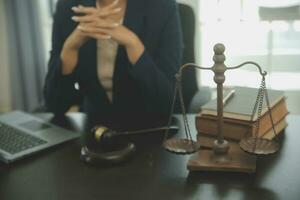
[{"x": 193, "y": 96}]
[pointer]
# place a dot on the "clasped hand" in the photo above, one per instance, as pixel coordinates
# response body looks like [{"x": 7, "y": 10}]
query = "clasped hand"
[{"x": 99, "y": 23}]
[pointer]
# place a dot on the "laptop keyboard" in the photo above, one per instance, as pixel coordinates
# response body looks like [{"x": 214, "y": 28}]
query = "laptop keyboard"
[{"x": 14, "y": 141}]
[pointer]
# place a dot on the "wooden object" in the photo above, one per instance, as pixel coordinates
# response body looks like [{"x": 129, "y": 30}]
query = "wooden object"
[
  {"x": 203, "y": 159},
  {"x": 240, "y": 161},
  {"x": 240, "y": 106},
  {"x": 236, "y": 132},
  {"x": 222, "y": 158},
  {"x": 236, "y": 129}
]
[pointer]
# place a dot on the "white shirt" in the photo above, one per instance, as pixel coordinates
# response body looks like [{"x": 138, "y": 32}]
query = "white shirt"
[{"x": 106, "y": 57}]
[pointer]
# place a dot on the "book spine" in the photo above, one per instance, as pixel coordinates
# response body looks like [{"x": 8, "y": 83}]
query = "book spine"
[
  {"x": 232, "y": 131},
  {"x": 269, "y": 134}
]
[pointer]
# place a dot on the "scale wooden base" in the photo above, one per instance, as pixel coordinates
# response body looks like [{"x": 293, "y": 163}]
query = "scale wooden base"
[{"x": 205, "y": 160}]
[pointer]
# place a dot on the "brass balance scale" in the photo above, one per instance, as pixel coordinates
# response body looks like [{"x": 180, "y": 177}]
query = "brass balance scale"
[{"x": 222, "y": 157}]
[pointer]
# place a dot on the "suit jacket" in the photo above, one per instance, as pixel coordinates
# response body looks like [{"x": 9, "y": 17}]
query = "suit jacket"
[{"x": 139, "y": 91}]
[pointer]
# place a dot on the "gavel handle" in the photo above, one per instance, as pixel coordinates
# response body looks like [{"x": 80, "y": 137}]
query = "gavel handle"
[{"x": 172, "y": 129}]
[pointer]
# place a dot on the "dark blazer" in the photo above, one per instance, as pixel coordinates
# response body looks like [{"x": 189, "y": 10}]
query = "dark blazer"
[{"x": 140, "y": 90}]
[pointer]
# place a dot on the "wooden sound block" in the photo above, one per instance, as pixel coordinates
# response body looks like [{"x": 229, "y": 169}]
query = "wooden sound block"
[{"x": 239, "y": 161}]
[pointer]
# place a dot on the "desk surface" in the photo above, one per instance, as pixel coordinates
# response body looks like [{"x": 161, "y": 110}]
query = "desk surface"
[{"x": 153, "y": 173}]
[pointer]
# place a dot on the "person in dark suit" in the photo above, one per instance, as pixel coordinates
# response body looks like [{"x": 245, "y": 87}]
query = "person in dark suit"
[{"x": 121, "y": 55}]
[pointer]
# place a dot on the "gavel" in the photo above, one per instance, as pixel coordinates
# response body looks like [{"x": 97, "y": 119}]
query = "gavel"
[
  {"x": 104, "y": 145},
  {"x": 106, "y": 137}
]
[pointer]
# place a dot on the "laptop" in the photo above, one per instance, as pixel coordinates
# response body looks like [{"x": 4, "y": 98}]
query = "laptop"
[{"x": 22, "y": 134}]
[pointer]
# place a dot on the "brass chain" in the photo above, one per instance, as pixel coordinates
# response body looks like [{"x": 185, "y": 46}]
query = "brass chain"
[
  {"x": 259, "y": 102},
  {"x": 262, "y": 92},
  {"x": 184, "y": 114},
  {"x": 178, "y": 90}
]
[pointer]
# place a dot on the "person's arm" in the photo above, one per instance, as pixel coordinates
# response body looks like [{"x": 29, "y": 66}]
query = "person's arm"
[
  {"x": 59, "y": 90},
  {"x": 156, "y": 76}
]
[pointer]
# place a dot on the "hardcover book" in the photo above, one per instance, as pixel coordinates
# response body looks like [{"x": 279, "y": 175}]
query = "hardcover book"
[
  {"x": 241, "y": 105},
  {"x": 235, "y": 129}
]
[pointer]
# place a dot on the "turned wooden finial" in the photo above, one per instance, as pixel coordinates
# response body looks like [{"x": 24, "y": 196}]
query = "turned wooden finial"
[
  {"x": 219, "y": 56},
  {"x": 219, "y": 67},
  {"x": 219, "y": 49}
]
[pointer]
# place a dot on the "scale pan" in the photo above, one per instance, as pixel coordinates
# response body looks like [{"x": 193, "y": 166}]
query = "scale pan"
[
  {"x": 181, "y": 146},
  {"x": 259, "y": 146}
]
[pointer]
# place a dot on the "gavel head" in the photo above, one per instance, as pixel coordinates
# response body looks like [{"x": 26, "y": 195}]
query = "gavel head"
[
  {"x": 102, "y": 133},
  {"x": 103, "y": 146},
  {"x": 102, "y": 138}
]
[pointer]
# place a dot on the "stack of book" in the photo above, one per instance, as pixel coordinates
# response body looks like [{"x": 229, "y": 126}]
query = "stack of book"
[{"x": 237, "y": 116}]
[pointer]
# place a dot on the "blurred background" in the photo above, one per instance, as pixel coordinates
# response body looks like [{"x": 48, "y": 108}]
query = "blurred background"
[{"x": 263, "y": 31}]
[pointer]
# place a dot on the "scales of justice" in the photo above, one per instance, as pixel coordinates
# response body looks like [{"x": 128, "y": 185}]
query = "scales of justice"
[{"x": 223, "y": 157}]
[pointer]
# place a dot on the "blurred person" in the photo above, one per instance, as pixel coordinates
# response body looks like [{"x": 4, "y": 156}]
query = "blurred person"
[{"x": 122, "y": 55}]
